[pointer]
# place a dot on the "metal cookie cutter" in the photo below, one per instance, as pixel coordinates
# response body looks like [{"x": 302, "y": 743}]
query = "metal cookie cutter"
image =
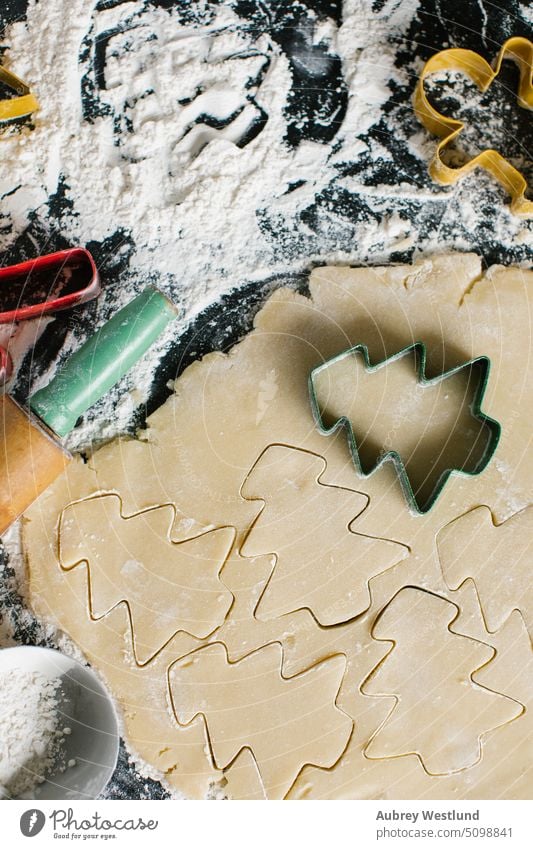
[
  {"x": 520, "y": 50},
  {"x": 419, "y": 351},
  {"x": 16, "y": 107},
  {"x": 33, "y": 289}
]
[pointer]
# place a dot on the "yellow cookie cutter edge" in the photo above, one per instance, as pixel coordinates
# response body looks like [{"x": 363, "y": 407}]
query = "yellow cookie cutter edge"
[
  {"x": 16, "y": 107},
  {"x": 520, "y": 50}
]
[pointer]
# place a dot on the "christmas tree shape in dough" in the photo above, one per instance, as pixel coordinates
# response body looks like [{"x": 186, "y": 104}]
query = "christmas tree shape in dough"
[
  {"x": 168, "y": 586},
  {"x": 441, "y": 712},
  {"x": 320, "y": 563},
  {"x": 285, "y": 722},
  {"x": 498, "y": 558}
]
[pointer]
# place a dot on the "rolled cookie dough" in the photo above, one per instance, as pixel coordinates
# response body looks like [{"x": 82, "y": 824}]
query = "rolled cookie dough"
[{"x": 196, "y": 453}]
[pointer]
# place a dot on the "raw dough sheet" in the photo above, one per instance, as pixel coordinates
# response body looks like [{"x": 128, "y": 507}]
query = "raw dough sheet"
[{"x": 271, "y": 620}]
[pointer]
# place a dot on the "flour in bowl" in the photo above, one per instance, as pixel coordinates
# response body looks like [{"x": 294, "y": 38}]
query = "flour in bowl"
[{"x": 31, "y": 731}]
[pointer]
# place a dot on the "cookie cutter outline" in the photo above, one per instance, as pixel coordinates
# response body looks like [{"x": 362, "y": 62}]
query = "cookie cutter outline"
[
  {"x": 419, "y": 351},
  {"x": 520, "y": 50},
  {"x": 16, "y": 107}
]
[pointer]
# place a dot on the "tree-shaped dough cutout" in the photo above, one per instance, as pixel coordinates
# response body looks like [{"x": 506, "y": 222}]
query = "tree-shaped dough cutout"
[
  {"x": 285, "y": 722},
  {"x": 441, "y": 713},
  {"x": 320, "y": 563},
  {"x": 168, "y": 586},
  {"x": 498, "y": 558}
]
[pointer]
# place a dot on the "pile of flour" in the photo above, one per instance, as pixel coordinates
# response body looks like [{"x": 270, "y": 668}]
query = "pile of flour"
[{"x": 31, "y": 732}]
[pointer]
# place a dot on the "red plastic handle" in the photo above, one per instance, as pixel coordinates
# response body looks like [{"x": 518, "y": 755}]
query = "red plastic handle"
[
  {"x": 73, "y": 264},
  {"x": 6, "y": 365}
]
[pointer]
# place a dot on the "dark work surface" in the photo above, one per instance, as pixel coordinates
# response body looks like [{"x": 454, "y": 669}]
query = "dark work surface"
[{"x": 474, "y": 24}]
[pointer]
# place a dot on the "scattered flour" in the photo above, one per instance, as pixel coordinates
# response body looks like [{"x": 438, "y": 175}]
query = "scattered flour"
[
  {"x": 185, "y": 150},
  {"x": 184, "y": 190},
  {"x": 152, "y": 163}
]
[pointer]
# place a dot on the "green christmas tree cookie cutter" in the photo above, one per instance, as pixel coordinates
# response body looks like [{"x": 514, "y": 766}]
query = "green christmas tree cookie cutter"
[{"x": 419, "y": 351}]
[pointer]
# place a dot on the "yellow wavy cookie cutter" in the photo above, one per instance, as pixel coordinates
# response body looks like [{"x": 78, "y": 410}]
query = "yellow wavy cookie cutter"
[
  {"x": 23, "y": 104},
  {"x": 520, "y": 50}
]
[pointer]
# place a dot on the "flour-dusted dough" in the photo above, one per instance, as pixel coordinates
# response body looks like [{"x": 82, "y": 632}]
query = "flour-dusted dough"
[
  {"x": 441, "y": 712},
  {"x": 199, "y": 448},
  {"x": 497, "y": 557},
  {"x": 243, "y": 779},
  {"x": 176, "y": 588},
  {"x": 326, "y": 573},
  {"x": 250, "y": 704},
  {"x": 504, "y": 771}
]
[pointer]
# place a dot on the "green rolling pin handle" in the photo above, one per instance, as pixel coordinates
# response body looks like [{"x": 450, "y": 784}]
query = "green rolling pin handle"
[{"x": 102, "y": 360}]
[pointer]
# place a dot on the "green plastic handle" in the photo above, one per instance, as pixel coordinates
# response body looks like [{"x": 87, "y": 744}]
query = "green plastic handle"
[{"x": 102, "y": 361}]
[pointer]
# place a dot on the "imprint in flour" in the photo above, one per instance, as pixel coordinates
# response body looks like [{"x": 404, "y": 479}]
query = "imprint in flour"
[
  {"x": 496, "y": 557},
  {"x": 167, "y": 586},
  {"x": 441, "y": 712},
  {"x": 217, "y": 74},
  {"x": 285, "y": 722},
  {"x": 329, "y": 573}
]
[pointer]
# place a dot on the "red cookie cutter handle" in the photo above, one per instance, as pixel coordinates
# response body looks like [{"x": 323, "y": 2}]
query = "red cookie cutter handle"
[
  {"x": 6, "y": 366},
  {"x": 70, "y": 264}
]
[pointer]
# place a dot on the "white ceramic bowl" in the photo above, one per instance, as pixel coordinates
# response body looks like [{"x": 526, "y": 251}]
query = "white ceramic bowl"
[{"x": 87, "y": 709}]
